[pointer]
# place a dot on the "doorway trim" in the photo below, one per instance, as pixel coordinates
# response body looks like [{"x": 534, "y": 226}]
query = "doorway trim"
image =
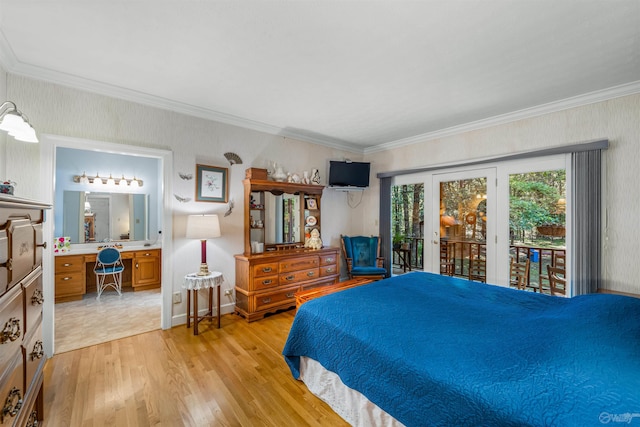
[{"x": 48, "y": 145}]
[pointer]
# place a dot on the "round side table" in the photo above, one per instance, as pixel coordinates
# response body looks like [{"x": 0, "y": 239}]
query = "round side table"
[{"x": 193, "y": 283}]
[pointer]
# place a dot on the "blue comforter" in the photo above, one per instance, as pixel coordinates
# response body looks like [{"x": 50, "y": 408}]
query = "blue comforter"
[{"x": 439, "y": 351}]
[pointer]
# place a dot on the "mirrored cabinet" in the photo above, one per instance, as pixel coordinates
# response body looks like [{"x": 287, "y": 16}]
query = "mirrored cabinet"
[{"x": 279, "y": 217}]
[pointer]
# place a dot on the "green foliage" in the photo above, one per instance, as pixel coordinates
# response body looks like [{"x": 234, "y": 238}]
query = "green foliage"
[{"x": 533, "y": 200}]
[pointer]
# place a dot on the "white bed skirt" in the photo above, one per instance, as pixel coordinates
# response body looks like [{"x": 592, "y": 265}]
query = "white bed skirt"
[{"x": 350, "y": 404}]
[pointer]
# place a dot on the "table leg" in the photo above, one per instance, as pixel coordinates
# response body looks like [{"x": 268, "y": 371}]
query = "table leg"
[
  {"x": 188, "y": 308},
  {"x": 218, "y": 286},
  {"x": 195, "y": 312}
]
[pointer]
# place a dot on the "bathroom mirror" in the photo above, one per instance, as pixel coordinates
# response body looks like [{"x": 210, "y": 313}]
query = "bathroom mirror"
[{"x": 97, "y": 217}]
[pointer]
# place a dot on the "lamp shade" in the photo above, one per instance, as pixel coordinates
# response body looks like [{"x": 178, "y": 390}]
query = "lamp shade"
[{"x": 203, "y": 227}]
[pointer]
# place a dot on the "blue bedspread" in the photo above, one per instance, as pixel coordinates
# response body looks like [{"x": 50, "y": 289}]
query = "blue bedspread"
[{"x": 439, "y": 351}]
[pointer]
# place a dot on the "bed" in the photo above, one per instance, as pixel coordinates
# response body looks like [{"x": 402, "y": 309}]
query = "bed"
[{"x": 424, "y": 349}]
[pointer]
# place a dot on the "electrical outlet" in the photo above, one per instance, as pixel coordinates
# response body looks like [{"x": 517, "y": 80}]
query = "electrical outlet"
[
  {"x": 177, "y": 297},
  {"x": 228, "y": 292}
]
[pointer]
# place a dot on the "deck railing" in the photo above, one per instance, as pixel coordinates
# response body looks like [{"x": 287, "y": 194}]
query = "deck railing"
[{"x": 462, "y": 250}]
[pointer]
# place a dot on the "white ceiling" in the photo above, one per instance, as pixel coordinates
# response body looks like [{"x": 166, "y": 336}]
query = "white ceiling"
[{"x": 361, "y": 75}]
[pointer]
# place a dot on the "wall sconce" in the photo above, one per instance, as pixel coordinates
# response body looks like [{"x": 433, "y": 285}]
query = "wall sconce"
[
  {"x": 16, "y": 123},
  {"x": 111, "y": 181}
]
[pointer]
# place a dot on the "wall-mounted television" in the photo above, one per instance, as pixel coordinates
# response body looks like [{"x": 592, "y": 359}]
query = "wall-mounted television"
[{"x": 346, "y": 175}]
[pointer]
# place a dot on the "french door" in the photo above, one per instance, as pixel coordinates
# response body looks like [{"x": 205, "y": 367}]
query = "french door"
[{"x": 463, "y": 224}]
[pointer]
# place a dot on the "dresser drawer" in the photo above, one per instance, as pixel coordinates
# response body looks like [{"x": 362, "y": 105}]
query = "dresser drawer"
[
  {"x": 33, "y": 299},
  {"x": 70, "y": 284},
  {"x": 328, "y": 259},
  {"x": 299, "y": 276},
  {"x": 265, "y": 282},
  {"x": 4, "y": 259},
  {"x": 69, "y": 264},
  {"x": 302, "y": 263},
  {"x": 21, "y": 249},
  {"x": 266, "y": 300},
  {"x": 328, "y": 270},
  {"x": 11, "y": 325},
  {"x": 33, "y": 353},
  {"x": 266, "y": 269},
  {"x": 12, "y": 392}
]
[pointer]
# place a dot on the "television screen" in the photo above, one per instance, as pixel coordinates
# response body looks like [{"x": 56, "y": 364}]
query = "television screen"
[{"x": 348, "y": 174}]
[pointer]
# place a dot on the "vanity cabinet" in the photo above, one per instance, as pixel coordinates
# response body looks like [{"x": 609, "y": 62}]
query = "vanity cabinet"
[
  {"x": 69, "y": 277},
  {"x": 146, "y": 269},
  {"x": 74, "y": 276},
  {"x": 279, "y": 216},
  {"x": 21, "y": 350}
]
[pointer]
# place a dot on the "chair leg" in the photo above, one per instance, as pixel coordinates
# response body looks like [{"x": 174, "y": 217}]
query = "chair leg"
[{"x": 116, "y": 284}]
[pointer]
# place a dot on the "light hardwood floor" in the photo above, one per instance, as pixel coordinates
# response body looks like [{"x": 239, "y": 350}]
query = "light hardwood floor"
[
  {"x": 89, "y": 321},
  {"x": 232, "y": 376}
]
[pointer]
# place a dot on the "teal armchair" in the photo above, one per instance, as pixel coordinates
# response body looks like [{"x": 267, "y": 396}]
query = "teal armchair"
[{"x": 362, "y": 254}]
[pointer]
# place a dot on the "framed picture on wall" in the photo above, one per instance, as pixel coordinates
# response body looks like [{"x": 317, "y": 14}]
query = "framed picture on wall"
[{"x": 212, "y": 184}]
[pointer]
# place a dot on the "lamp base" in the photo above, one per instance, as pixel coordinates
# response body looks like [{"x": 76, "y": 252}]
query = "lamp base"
[{"x": 204, "y": 270}]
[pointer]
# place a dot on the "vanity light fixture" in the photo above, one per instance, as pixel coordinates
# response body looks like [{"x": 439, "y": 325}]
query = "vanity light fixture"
[
  {"x": 16, "y": 123},
  {"x": 110, "y": 181}
]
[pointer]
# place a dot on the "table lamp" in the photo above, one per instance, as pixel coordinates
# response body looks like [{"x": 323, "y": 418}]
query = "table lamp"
[{"x": 203, "y": 227}]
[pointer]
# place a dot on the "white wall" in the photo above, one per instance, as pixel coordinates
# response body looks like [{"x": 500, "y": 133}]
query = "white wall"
[
  {"x": 3, "y": 135},
  {"x": 58, "y": 110},
  {"x": 617, "y": 120}
]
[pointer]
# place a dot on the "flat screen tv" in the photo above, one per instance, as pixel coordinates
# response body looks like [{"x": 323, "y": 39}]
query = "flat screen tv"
[{"x": 348, "y": 174}]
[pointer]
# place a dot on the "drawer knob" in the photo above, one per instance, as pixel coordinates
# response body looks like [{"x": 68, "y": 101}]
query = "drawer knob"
[
  {"x": 267, "y": 282},
  {"x": 290, "y": 295},
  {"x": 11, "y": 330},
  {"x": 310, "y": 273},
  {"x": 290, "y": 277},
  {"x": 37, "y": 298},
  {"x": 38, "y": 351},
  {"x": 66, "y": 264},
  {"x": 266, "y": 300},
  {"x": 12, "y": 404},
  {"x": 329, "y": 259},
  {"x": 43, "y": 245},
  {"x": 330, "y": 270},
  {"x": 266, "y": 269}
]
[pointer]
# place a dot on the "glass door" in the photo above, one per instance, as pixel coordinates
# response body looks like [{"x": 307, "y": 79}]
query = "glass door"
[
  {"x": 464, "y": 236},
  {"x": 407, "y": 227}
]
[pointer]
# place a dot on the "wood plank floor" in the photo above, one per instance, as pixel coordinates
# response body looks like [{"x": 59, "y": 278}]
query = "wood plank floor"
[{"x": 233, "y": 376}]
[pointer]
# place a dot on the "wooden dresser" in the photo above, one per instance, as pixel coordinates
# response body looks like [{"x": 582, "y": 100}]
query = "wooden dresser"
[
  {"x": 21, "y": 351},
  {"x": 279, "y": 217},
  {"x": 267, "y": 283},
  {"x": 74, "y": 275}
]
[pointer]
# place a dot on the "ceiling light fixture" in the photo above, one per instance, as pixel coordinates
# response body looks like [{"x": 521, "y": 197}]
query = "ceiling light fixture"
[{"x": 16, "y": 123}]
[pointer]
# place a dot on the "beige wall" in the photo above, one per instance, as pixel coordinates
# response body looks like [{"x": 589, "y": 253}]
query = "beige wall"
[
  {"x": 58, "y": 110},
  {"x": 617, "y": 120}
]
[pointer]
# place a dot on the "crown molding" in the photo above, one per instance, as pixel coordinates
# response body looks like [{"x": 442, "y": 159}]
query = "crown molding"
[{"x": 551, "y": 107}]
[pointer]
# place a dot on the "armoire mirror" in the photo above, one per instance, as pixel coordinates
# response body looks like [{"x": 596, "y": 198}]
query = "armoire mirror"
[
  {"x": 282, "y": 214},
  {"x": 96, "y": 217}
]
